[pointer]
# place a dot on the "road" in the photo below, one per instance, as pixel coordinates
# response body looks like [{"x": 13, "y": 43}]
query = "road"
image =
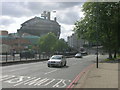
[{"x": 38, "y": 75}]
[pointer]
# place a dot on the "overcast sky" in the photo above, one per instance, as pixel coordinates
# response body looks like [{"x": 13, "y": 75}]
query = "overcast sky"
[{"x": 15, "y": 13}]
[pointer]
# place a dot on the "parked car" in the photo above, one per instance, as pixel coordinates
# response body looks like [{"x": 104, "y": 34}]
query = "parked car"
[
  {"x": 27, "y": 54},
  {"x": 78, "y": 55},
  {"x": 57, "y": 60},
  {"x": 84, "y": 53}
]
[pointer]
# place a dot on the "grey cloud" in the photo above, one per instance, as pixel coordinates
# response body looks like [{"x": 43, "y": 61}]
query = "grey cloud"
[
  {"x": 38, "y": 7},
  {"x": 6, "y": 21},
  {"x": 18, "y": 9},
  {"x": 35, "y": 7},
  {"x": 15, "y": 9},
  {"x": 69, "y": 17},
  {"x": 69, "y": 4}
]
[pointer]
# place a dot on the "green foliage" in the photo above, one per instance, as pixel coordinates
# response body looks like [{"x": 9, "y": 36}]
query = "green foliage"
[
  {"x": 100, "y": 23},
  {"x": 61, "y": 45},
  {"x": 47, "y": 42},
  {"x": 50, "y": 43}
]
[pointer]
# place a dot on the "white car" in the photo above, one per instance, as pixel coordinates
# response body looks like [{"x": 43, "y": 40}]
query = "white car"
[
  {"x": 57, "y": 60},
  {"x": 78, "y": 55}
]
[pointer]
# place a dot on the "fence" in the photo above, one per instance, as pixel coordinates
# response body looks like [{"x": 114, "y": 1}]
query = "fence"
[{"x": 7, "y": 57}]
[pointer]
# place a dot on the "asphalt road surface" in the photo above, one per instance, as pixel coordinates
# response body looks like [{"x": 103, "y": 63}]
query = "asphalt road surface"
[{"x": 38, "y": 75}]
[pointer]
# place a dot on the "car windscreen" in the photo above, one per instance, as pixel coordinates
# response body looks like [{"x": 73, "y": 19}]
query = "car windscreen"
[
  {"x": 56, "y": 57},
  {"x": 78, "y": 54}
]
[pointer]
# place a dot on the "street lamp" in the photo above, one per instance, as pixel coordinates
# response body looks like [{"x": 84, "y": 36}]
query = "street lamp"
[
  {"x": 97, "y": 56},
  {"x": 97, "y": 36}
]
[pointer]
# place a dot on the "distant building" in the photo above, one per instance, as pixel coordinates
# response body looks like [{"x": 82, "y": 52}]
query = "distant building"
[
  {"x": 31, "y": 38},
  {"x": 5, "y": 48},
  {"x": 40, "y": 26},
  {"x": 74, "y": 42},
  {"x": 12, "y": 41},
  {"x": 3, "y": 33}
]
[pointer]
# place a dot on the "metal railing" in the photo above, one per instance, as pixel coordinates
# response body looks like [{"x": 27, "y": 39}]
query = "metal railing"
[{"x": 7, "y": 57}]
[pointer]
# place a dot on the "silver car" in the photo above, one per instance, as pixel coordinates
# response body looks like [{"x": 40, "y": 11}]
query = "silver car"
[
  {"x": 57, "y": 60},
  {"x": 78, "y": 55}
]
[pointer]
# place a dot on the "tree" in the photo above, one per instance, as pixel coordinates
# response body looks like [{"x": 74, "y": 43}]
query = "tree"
[
  {"x": 100, "y": 24},
  {"x": 47, "y": 42},
  {"x": 50, "y": 43},
  {"x": 61, "y": 45}
]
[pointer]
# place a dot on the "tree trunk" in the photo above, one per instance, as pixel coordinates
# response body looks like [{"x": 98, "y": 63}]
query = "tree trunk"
[
  {"x": 110, "y": 54},
  {"x": 115, "y": 54}
]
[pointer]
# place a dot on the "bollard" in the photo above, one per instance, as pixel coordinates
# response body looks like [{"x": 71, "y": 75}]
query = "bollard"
[
  {"x": 20, "y": 56},
  {"x": 13, "y": 57},
  {"x": 6, "y": 57},
  {"x": 39, "y": 56}
]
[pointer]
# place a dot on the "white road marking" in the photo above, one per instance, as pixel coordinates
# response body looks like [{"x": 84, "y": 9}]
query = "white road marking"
[
  {"x": 15, "y": 80},
  {"x": 32, "y": 82},
  {"x": 7, "y": 77},
  {"x": 1, "y": 77},
  {"x": 41, "y": 82},
  {"x": 35, "y": 81},
  {"x": 25, "y": 81},
  {"x": 49, "y": 82},
  {"x": 64, "y": 84},
  {"x": 60, "y": 82},
  {"x": 51, "y": 71}
]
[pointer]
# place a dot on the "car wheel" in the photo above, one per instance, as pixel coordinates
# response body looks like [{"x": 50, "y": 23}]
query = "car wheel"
[
  {"x": 61, "y": 65},
  {"x": 48, "y": 65},
  {"x": 65, "y": 64}
]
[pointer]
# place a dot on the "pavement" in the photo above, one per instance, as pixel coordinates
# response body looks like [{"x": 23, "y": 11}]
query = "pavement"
[{"x": 105, "y": 76}]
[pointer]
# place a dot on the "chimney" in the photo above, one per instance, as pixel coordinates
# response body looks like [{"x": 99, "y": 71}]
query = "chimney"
[
  {"x": 54, "y": 12},
  {"x": 44, "y": 15},
  {"x": 55, "y": 19}
]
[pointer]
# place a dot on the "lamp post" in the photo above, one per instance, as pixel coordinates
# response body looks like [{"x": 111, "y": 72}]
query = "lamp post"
[
  {"x": 97, "y": 36},
  {"x": 97, "y": 56}
]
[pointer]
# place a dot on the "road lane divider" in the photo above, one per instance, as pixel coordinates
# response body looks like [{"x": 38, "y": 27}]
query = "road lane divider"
[{"x": 51, "y": 71}]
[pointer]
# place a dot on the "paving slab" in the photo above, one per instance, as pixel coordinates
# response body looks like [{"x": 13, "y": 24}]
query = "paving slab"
[{"x": 106, "y": 76}]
